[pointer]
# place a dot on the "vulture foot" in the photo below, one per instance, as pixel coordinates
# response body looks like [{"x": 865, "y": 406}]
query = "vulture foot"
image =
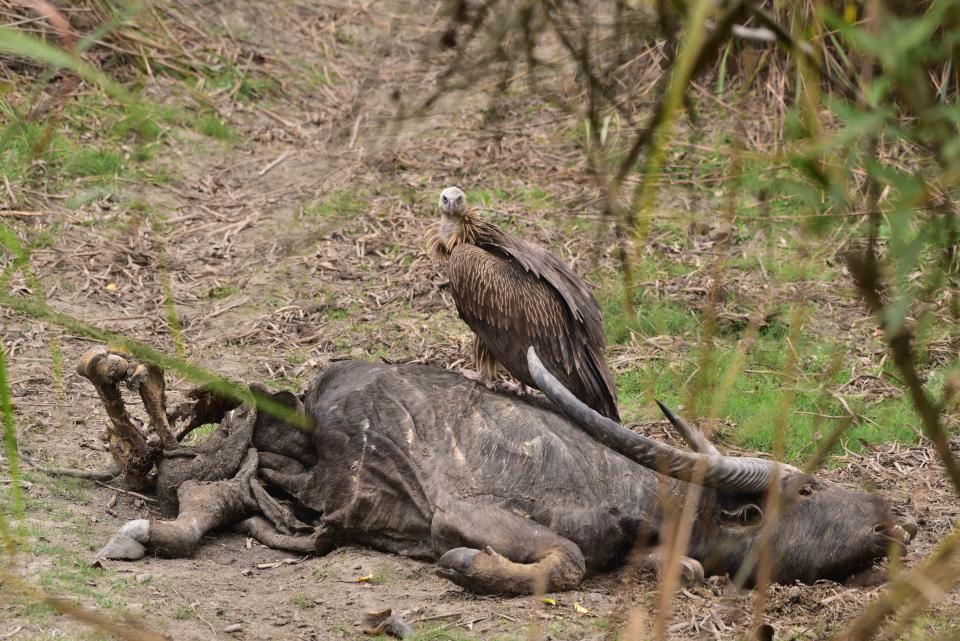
[
  {"x": 477, "y": 377},
  {"x": 515, "y": 387}
]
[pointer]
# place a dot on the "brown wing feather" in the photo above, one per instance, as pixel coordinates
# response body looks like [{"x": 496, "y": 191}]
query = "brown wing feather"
[{"x": 511, "y": 304}]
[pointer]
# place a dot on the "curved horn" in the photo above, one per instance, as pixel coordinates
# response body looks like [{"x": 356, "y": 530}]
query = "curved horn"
[
  {"x": 690, "y": 434},
  {"x": 736, "y": 474}
]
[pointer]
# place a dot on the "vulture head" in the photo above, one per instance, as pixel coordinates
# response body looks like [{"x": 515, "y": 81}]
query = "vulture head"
[{"x": 453, "y": 202}]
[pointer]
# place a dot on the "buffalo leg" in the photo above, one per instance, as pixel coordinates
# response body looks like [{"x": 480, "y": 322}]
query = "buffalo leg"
[
  {"x": 320, "y": 542},
  {"x": 488, "y": 550},
  {"x": 203, "y": 507},
  {"x": 129, "y": 447}
]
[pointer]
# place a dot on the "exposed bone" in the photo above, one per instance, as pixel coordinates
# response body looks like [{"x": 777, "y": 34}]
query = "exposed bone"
[
  {"x": 147, "y": 379},
  {"x": 129, "y": 447},
  {"x": 204, "y": 406}
]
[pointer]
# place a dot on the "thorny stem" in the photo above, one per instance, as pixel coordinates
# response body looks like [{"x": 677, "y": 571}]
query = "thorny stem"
[{"x": 866, "y": 273}]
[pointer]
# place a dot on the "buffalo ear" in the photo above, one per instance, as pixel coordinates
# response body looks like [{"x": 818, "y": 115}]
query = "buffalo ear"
[{"x": 749, "y": 514}]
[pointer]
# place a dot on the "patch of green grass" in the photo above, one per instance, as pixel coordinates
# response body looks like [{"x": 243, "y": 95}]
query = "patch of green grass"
[
  {"x": 303, "y": 602},
  {"x": 44, "y": 237},
  {"x": 222, "y": 291},
  {"x": 485, "y": 197},
  {"x": 535, "y": 198},
  {"x": 72, "y": 490},
  {"x": 386, "y": 575},
  {"x": 344, "y": 37},
  {"x": 210, "y": 125},
  {"x": 200, "y": 434},
  {"x": 183, "y": 613},
  {"x": 72, "y": 575},
  {"x": 339, "y": 205},
  {"x": 243, "y": 85},
  {"x": 939, "y": 623},
  {"x": 92, "y": 162},
  {"x": 754, "y": 402},
  {"x": 652, "y": 316},
  {"x": 87, "y": 196}
]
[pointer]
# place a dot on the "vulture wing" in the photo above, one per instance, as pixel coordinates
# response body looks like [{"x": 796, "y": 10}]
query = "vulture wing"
[{"x": 514, "y": 294}]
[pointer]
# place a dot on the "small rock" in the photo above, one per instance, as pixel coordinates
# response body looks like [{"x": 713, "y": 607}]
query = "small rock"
[
  {"x": 143, "y": 578},
  {"x": 246, "y": 571},
  {"x": 234, "y": 627}
]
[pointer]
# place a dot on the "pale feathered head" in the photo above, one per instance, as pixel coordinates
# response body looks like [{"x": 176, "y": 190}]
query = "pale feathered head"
[{"x": 453, "y": 202}]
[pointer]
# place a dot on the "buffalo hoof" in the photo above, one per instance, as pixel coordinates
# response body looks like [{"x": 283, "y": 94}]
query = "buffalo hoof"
[
  {"x": 128, "y": 544},
  {"x": 691, "y": 571},
  {"x": 479, "y": 571},
  {"x": 457, "y": 560}
]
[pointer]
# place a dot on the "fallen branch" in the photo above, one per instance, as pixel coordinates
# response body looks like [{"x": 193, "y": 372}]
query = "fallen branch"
[{"x": 88, "y": 475}]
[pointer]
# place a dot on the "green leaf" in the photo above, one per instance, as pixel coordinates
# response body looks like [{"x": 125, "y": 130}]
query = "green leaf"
[{"x": 19, "y": 43}]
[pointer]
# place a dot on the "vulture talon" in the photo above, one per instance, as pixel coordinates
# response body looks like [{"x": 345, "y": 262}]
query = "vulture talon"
[
  {"x": 478, "y": 377},
  {"x": 516, "y": 387}
]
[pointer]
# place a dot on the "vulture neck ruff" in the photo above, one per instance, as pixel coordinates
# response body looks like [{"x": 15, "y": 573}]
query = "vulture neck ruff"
[{"x": 450, "y": 232}]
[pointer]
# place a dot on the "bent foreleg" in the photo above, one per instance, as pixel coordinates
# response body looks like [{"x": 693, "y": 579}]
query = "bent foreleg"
[{"x": 489, "y": 550}]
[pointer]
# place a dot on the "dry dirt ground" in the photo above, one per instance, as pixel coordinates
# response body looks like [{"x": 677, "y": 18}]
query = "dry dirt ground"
[{"x": 299, "y": 243}]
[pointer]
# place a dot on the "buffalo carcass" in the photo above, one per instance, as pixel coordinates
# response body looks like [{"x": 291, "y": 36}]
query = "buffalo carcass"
[{"x": 507, "y": 495}]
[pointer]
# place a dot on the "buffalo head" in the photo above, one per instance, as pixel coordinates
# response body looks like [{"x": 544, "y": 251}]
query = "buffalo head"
[{"x": 813, "y": 528}]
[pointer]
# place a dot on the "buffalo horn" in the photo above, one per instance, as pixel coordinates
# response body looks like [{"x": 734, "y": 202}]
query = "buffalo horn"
[
  {"x": 690, "y": 434},
  {"x": 735, "y": 474}
]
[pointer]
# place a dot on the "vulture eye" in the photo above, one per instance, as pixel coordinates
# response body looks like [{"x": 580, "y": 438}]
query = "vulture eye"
[{"x": 444, "y": 199}]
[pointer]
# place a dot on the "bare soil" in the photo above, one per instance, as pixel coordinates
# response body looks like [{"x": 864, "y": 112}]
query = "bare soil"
[{"x": 302, "y": 243}]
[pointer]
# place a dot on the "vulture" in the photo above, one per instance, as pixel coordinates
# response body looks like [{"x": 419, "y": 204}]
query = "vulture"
[{"x": 514, "y": 294}]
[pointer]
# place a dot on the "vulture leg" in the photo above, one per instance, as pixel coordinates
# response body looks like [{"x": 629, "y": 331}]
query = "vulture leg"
[
  {"x": 488, "y": 550},
  {"x": 486, "y": 372},
  {"x": 476, "y": 377}
]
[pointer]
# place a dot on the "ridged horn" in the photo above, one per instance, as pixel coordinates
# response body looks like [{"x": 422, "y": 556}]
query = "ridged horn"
[
  {"x": 694, "y": 437},
  {"x": 733, "y": 474}
]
